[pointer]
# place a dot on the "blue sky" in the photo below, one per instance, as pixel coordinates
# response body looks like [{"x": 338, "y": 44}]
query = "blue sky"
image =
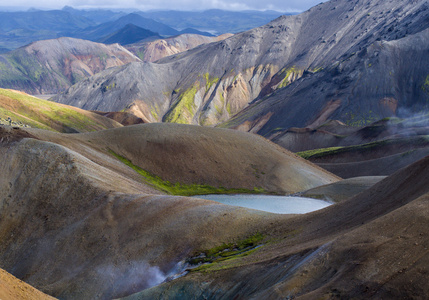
[{"x": 279, "y": 5}]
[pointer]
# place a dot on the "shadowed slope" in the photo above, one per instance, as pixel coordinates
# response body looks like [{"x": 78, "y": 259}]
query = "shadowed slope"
[
  {"x": 129, "y": 34},
  {"x": 343, "y": 189},
  {"x": 381, "y": 148},
  {"x": 374, "y": 245}
]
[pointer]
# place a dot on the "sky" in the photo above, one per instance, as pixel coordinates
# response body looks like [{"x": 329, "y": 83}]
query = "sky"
[{"x": 278, "y": 5}]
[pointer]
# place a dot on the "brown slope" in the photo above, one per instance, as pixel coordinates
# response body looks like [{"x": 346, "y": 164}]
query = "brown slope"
[
  {"x": 197, "y": 155},
  {"x": 65, "y": 231},
  {"x": 374, "y": 245},
  {"x": 83, "y": 228},
  {"x": 12, "y": 288},
  {"x": 121, "y": 117},
  {"x": 302, "y": 139},
  {"x": 380, "y": 148},
  {"x": 76, "y": 229}
]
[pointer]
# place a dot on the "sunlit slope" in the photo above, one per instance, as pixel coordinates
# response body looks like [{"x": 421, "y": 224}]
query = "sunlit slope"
[
  {"x": 26, "y": 110},
  {"x": 51, "y": 66},
  {"x": 12, "y": 288}
]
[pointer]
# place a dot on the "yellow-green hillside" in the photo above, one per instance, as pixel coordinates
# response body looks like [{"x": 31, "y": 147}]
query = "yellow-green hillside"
[{"x": 28, "y": 111}]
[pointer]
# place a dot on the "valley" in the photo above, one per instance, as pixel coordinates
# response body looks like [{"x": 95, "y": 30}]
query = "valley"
[{"x": 106, "y": 187}]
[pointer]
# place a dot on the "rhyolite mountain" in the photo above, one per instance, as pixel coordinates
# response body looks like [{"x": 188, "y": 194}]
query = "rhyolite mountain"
[
  {"x": 356, "y": 61},
  {"x": 50, "y": 66},
  {"x": 154, "y": 50}
]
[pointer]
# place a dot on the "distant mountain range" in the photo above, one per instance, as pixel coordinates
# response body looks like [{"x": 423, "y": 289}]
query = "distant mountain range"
[
  {"x": 21, "y": 28},
  {"x": 216, "y": 21},
  {"x": 129, "y": 34}
]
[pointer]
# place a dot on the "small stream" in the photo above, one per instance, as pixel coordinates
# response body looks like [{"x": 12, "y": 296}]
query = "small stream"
[{"x": 269, "y": 203}]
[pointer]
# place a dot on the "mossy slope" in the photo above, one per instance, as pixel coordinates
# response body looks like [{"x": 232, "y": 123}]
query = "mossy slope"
[{"x": 25, "y": 110}]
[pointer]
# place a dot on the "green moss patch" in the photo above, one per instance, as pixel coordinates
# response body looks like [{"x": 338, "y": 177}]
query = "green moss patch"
[
  {"x": 362, "y": 119},
  {"x": 210, "y": 82},
  {"x": 286, "y": 76},
  {"x": 184, "y": 109},
  {"x": 208, "y": 258},
  {"x": 323, "y": 152},
  {"x": 425, "y": 86},
  {"x": 318, "y": 152},
  {"x": 180, "y": 189}
]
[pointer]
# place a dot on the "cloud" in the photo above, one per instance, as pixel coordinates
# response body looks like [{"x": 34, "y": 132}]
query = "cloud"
[{"x": 279, "y": 5}]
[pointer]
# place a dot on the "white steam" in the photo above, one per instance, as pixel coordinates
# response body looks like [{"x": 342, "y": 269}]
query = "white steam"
[{"x": 133, "y": 277}]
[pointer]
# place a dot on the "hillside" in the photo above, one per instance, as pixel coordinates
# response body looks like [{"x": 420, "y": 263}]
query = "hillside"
[
  {"x": 12, "y": 288},
  {"x": 220, "y": 158},
  {"x": 336, "y": 55},
  {"x": 27, "y": 111},
  {"x": 86, "y": 199},
  {"x": 51, "y": 66},
  {"x": 155, "y": 50},
  {"x": 371, "y": 246},
  {"x": 94, "y": 199},
  {"x": 380, "y": 148}
]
